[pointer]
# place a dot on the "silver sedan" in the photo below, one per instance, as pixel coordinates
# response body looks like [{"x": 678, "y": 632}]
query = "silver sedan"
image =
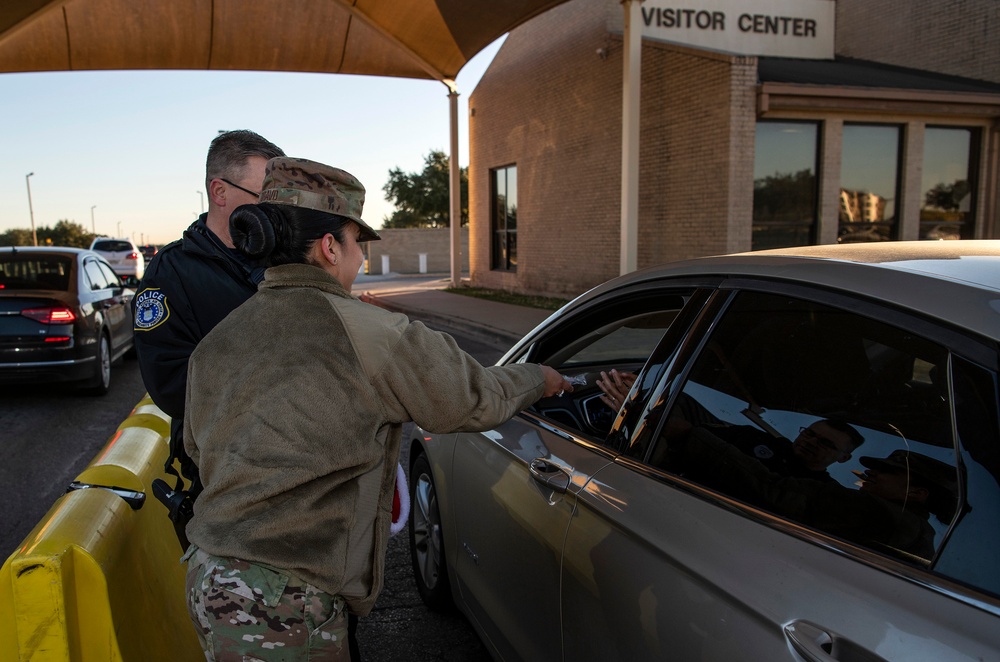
[{"x": 797, "y": 457}]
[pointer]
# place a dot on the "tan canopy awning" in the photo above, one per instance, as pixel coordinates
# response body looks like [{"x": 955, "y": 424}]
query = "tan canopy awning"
[{"x": 402, "y": 38}]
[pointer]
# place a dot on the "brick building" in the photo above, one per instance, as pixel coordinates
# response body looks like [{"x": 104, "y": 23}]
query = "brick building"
[{"x": 895, "y": 136}]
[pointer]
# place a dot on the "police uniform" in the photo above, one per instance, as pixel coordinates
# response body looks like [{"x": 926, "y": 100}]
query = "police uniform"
[
  {"x": 775, "y": 453},
  {"x": 188, "y": 288}
]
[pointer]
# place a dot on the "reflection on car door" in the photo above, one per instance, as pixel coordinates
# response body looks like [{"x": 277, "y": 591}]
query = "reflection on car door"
[
  {"x": 513, "y": 530},
  {"x": 519, "y": 483}
]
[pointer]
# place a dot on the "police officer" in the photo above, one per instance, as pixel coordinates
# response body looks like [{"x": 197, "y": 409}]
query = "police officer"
[{"x": 193, "y": 283}]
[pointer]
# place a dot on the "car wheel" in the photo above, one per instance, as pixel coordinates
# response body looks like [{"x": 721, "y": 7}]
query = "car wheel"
[
  {"x": 430, "y": 568},
  {"x": 101, "y": 381}
]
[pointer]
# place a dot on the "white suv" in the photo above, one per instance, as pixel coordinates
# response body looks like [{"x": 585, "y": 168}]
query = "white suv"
[{"x": 122, "y": 254}]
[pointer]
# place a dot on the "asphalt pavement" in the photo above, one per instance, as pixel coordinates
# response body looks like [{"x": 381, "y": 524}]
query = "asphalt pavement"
[{"x": 423, "y": 297}]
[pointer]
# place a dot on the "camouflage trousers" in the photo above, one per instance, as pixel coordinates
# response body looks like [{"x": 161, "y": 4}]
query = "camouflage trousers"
[{"x": 247, "y": 612}]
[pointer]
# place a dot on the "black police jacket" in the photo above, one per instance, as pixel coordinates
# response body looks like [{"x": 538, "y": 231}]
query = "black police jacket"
[{"x": 188, "y": 288}]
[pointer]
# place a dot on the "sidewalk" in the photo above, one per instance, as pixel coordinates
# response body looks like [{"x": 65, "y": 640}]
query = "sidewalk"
[{"x": 422, "y": 297}]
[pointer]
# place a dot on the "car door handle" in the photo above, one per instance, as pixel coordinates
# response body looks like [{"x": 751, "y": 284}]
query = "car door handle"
[
  {"x": 817, "y": 644},
  {"x": 549, "y": 474}
]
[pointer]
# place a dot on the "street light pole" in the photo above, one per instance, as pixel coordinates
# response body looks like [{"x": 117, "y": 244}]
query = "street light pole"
[
  {"x": 93, "y": 227},
  {"x": 31, "y": 210},
  {"x": 119, "y": 229},
  {"x": 201, "y": 198}
]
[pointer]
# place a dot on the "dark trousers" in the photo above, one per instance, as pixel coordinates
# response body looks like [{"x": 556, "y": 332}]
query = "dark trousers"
[{"x": 352, "y": 637}]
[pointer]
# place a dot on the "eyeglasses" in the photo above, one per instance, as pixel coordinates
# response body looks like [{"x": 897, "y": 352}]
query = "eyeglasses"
[
  {"x": 245, "y": 190},
  {"x": 809, "y": 433}
]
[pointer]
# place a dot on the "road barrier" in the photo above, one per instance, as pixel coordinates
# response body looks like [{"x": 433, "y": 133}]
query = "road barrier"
[{"x": 99, "y": 577}]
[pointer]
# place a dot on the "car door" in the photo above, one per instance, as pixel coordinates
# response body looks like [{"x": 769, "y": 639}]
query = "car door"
[
  {"x": 118, "y": 309},
  {"x": 518, "y": 484},
  {"x": 689, "y": 547}
]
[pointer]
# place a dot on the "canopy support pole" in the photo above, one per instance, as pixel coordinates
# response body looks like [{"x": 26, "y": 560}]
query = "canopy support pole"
[
  {"x": 632, "y": 73},
  {"x": 455, "y": 191}
]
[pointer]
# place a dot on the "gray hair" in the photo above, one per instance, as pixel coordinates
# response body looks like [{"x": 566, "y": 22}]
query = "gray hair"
[{"x": 229, "y": 151}]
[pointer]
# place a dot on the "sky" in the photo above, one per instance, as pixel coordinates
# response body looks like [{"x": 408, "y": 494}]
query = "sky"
[{"x": 132, "y": 144}]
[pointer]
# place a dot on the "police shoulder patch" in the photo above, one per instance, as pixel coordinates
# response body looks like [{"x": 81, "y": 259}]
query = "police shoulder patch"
[
  {"x": 763, "y": 452},
  {"x": 151, "y": 309}
]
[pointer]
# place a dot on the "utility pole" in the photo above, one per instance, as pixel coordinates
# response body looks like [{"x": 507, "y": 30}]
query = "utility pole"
[
  {"x": 34, "y": 237},
  {"x": 93, "y": 226}
]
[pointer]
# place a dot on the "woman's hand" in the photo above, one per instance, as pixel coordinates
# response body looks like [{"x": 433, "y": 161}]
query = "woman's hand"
[
  {"x": 555, "y": 383},
  {"x": 616, "y": 386}
]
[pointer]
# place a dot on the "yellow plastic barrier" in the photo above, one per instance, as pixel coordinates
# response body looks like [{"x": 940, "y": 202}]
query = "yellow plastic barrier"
[{"x": 95, "y": 579}]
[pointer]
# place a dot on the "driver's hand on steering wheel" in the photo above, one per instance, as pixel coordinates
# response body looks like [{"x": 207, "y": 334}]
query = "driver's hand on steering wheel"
[{"x": 616, "y": 386}]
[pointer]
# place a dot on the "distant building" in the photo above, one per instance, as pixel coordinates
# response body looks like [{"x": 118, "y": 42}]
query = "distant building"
[{"x": 889, "y": 136}]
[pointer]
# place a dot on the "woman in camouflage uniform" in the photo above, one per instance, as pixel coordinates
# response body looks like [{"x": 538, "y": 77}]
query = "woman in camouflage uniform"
[{"x": 295, "y": 407}]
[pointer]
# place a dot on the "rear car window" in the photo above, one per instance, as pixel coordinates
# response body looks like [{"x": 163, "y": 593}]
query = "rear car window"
[
  {"x": 112, "y": 246},
  {"x": 35, "y": 272}
]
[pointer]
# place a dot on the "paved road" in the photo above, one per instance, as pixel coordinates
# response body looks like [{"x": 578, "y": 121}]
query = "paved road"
[{"x": 47, "y": 436}]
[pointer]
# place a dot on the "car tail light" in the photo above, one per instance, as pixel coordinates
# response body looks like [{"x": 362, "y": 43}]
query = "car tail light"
[
  {"x": 50, "y": 314},
  {"x": 61, "y": 339},
  {"x": 132, "y": 256}
]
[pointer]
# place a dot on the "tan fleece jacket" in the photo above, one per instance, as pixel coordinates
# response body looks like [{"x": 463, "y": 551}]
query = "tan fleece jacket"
[{"x": 294, "y": 409}]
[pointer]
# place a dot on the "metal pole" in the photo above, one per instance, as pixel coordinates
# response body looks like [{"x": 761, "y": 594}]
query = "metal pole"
[
  {"x": 119, "y": 229},
  {"x": 628, "y": 259},
  {"x": 454, "y": 172},
  {"x": 93, "y": 226},
  {"x": 201, "y": 198},
  {"x": 31, "y": 210}
]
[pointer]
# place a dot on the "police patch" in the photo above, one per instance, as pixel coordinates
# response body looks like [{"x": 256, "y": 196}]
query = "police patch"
[
  {"x": 150, "y": 309},
  {"x": 763, "y": 452}
]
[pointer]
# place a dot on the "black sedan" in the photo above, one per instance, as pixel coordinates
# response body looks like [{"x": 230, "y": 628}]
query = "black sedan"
[{"x": 64, "y": 317}]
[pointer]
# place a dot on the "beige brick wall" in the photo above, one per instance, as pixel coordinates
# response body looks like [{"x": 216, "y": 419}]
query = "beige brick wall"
[
  {"x": 404, "y": 246},
  {"x": 552, "y": 105},
  {"x": 955, "y": 37}
]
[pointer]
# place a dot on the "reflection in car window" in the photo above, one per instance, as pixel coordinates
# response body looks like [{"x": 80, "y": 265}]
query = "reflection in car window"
[
  {"x": 620, "y": 335},
  {"x": 97, "y": 279},
  {"x": 827, "y": 418},
  {"x": 970, "y": 553},
  {"x": 110, "y": 276}
]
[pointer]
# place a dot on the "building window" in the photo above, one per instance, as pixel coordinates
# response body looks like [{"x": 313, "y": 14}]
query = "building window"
[
  {"x": 785, "y": 189},
  {"x": 869, "y": 183},
  {"x": 503, "y": 203},
  {"x": 947, "y": 210}
]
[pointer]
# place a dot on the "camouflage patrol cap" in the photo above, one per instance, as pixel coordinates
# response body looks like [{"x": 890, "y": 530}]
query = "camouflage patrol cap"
[{"x": 305, "y": 183}]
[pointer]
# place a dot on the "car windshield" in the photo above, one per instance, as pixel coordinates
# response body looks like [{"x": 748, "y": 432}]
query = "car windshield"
[
  {"x": 112, "y": 246},
  {"x": 35, "y": 272}
]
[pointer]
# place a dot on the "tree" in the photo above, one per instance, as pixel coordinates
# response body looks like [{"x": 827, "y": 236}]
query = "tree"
[
  {"x": 948, "y": 197},
  {"x": 65, "y": 233},
  {"x": 422, "y": 199}
]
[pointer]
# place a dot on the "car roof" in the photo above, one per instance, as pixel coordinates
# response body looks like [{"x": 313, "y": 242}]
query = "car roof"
[
  {"x": 50, "y": 250},
  {"x": 957, "y": 282}
]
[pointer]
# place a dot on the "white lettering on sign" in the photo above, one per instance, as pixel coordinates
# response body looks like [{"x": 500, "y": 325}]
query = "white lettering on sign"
[{"x": 782, "y": 28}]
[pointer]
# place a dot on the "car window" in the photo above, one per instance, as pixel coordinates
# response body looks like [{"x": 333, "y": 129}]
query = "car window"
[
  {"x": 98, "y": 281},
  {"x": 35, "y": 272},
  {"x": 620, "y": 334},
  {"x": 110, "y": 276},
  {"x": 111, "y": 246},
  {"x": 823, "y": 417},
  {"x": 970, "y": 552}
]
